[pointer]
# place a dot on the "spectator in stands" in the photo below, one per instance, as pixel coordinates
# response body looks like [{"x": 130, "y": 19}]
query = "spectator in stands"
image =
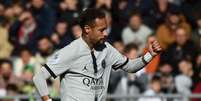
[
  {"x": 196, "y": 35},
  {"x": 44, "y": 16},
  {"x": 68, "y": 10},
  {"x": 131, "y": 51},
  {"x": 141, "y": 5},
  {"x": 61, "y": 36},
  {"x": 183, "y": 81},
  {"x": 106, "y": 4},
  {"x": 9, "y": 13},
  {"x": 103, "y": 4},
  {"x": 5, "y": 46},
  {"x": 119, "y": 46},
  {"x": 166, "y": 32},
  {"x": 136, "y": 32},
  {"x": 156, "y": 15},
  {"x": 45, "y": 49},
  {"x": 182, "y": 48},
  {"x": 23, "y": 32},
  {"x": 154, "y": 90},
  {"x": 167, "y": 79},
  {"x": 76, "y": 30},
  {"x": 17, "y": 9},
  {"x": 119, "y": 14},
  {"x": 24, "y": 65},
  {"x": 10, "y": 84}
]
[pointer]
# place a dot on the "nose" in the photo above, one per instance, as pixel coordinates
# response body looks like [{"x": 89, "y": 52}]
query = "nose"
[{"x": 105, "y": 33}]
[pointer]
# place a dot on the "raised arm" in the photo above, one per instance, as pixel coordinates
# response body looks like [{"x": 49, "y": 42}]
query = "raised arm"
[{"x": 122, "y": 62}]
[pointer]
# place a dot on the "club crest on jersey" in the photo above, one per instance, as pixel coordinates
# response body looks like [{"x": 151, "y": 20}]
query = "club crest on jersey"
[
  {"x": 103, "y": 63},
  {"x": 54, "y": 59}
]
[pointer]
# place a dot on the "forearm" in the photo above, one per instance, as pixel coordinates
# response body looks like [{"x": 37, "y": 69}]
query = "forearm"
[
  {"x": 138, "y": 63},
  {"x": 40, "y": 82}
]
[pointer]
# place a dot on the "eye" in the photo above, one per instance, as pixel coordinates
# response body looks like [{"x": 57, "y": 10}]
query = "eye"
[{"x": 102, "y": 30}]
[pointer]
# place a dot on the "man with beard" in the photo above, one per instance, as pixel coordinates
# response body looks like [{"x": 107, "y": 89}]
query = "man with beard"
[
  {"x": 84, "y": 66},
  {"x": 136, "y": 32},
  {"x": 9, "y": 83}
]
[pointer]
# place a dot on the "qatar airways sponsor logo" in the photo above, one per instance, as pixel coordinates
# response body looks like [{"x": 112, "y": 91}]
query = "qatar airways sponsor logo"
[{"x": 93, "y": 83}]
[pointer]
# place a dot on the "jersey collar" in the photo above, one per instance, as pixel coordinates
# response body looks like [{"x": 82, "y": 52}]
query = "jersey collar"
[{"x": 98, "y": 48}]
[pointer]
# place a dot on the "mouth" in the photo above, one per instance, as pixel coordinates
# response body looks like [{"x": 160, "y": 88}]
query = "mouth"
[{"x": 103, "y": 40}]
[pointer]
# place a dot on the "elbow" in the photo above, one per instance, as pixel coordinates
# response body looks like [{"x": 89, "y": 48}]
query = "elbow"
[
  {"x": 132, "y": 71},
  {"x": 36, "y": 78}
]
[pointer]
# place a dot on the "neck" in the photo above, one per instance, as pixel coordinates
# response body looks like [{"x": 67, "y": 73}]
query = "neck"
[{"x": 87, "y": 40}]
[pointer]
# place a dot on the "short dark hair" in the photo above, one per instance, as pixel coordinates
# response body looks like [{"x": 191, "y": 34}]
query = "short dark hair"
[
  {"x": 88, "y": 16},
  {"x": 134, "y": 13},
  {"x": 41, "y": 37},
  {"x": 155, "y": 78},
  {"x": 129, "y": 47},
  {"x": 25, "y": 48},
  {"x": 6, "y": 61}
]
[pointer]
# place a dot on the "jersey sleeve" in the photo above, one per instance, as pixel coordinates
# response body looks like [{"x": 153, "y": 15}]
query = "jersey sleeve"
[
  {"x": 115, "y": 58},
  {"x": 119, "y": 61},
  {"x": 60, "y": 61}
]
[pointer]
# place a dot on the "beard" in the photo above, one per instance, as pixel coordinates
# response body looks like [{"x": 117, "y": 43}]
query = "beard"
[
  {"x": 100, "y": 41},
  {"x": 100, "y": 45},
  {"x": 6, "y": 77}
]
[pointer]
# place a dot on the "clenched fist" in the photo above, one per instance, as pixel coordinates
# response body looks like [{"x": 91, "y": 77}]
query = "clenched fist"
[{"x": 154, "y": 47}]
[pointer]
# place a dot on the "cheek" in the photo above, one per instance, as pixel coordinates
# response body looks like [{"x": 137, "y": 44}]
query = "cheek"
[{"x": 96, "y": 34}]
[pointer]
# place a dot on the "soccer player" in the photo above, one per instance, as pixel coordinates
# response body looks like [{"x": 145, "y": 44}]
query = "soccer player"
[{"x": 85, "y": 64}]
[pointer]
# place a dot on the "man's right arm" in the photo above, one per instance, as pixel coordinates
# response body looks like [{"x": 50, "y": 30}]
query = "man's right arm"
[
  {"x": 40, "y": 82},
  {"x": 57, "y": 64}
]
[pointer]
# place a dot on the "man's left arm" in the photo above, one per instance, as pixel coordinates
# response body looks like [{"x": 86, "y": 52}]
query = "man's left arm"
[
  {"x": 138, "y": 63},
  {"x": 122, "y": 62}
]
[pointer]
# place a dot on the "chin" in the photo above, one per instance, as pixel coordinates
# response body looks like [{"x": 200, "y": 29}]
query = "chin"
[{"x": 102, "y": 42}]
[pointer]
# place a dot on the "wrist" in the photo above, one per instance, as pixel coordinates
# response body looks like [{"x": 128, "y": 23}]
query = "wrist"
[
  {"x": 153, "y": 54},
  {"x": 147, "y": 57}
]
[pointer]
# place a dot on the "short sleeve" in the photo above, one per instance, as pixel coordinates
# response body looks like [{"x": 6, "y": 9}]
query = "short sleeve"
[
  {"x": 60, "y": 61},
  {"x": 115, "y": 58}
]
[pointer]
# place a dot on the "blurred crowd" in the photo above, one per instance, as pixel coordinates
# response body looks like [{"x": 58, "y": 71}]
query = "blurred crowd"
[{"x": 31, "y": 30}]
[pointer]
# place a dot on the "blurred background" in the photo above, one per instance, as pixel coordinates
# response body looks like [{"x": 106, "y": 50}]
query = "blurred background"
[{"x": 31, "y": 30}]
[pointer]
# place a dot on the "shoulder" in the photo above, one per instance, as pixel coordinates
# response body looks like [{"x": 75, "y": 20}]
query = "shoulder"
[
  {"x": 126, "y": 30},
  {"x": 110, "y": 49},
  {"x": 67, "y": 52},
  {"x": 146, "y": 28},
  {"x": 108, "y": 45},
  {"x": 72, "y": 46},
  {"x": 149, "y": 92},
  {"x": 180, "y": 78}
]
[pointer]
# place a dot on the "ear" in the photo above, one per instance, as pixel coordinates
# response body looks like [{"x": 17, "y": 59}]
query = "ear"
[{"x": 87, "y": 28}]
